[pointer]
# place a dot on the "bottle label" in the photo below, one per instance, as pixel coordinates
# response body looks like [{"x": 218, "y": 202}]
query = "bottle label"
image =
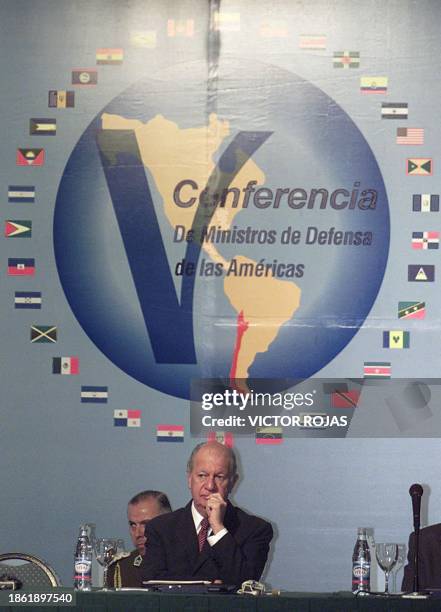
[
  {"x": 361, "y": 574},
  {"x": 82, "y": 574}
]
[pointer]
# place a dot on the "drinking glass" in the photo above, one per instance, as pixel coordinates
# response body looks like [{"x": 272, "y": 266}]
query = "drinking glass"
[
  {"x": 120, "y": 546},
  {"x": 387, "y": 556},
  {"x": 402, "y": 550},
  {"x": 105, "y": 551}
]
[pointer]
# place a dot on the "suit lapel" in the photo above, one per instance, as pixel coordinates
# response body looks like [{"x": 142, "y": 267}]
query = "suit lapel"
[{"x": 186, "y": 533}]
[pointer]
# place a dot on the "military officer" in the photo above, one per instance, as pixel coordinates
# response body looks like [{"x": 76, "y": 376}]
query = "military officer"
[{"x": 124, "y": 569}]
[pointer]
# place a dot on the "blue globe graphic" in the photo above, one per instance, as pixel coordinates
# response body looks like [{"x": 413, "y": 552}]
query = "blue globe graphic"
[{"x": 116, "y": 256}]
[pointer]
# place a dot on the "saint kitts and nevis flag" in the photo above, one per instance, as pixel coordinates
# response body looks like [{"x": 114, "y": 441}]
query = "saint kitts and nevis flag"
[
  {"x": 411, "y": 310},
  {"x": 65, "y": 365},
  {"x": 170, "y": 433}
]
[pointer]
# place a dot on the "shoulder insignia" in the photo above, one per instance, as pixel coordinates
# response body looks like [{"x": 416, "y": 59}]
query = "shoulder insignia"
[{"x": 118, "y": 557}]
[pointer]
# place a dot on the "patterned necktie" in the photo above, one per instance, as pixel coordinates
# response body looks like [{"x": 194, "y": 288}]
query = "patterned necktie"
[{"x": 203, "y": 532}]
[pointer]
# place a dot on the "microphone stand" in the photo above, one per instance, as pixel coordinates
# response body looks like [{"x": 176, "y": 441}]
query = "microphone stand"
[
  {"x": 416, "y": 492},
  {"x": 416, "y": 578}
]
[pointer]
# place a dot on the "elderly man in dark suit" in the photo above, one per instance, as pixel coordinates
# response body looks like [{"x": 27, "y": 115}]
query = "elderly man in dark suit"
[
  {"x": 209, "y": 539},
  {"x": 429, "y": 566}
]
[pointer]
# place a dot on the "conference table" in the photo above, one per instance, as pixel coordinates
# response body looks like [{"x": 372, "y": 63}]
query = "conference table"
[{"x": 138, "y": 601}]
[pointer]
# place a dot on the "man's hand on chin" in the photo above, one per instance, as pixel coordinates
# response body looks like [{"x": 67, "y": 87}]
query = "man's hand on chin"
[{"x": 216, "y": 508}]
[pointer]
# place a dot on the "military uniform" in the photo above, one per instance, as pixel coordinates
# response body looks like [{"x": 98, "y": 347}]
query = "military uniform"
[{"x": 124, "y": 571}]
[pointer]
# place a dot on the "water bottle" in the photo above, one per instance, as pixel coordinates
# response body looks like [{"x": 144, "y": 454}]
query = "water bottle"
[
  {"x": 361, "y": 563},
  {"x": 83, "y": 562}
]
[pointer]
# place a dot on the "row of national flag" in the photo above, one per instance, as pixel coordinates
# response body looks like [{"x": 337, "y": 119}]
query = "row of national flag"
[
  {"x": 18, "y": 266},
  {"x": 25, "y": 194}
]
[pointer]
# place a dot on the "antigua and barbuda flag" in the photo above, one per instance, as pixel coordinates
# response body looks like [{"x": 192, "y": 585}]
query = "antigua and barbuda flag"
[
  {"x": 42, "y": 127},
  {"x": 111, "y": 56},
  {"x": 43, "y": 333},
  {"x": 425, "y": 240},
  {"x": 27, "y": 300},
  {"x": 84, "y": 76},
  {"x": 60, "y": 98},
  {"x": 419, "y": 166},
  {"x": 65, "y": 365},
  {"x": 170, "y": 433},
  {"x": 373, "y": 85},
  {"x": 421, "y": 273},
  {"x": 269, "y": 435},
  {"x": 394, "y": 110},
  {"x": 396, "y": 339},
  {"x": 21, "y": 194},
  {"x": 411, "y": 310},
  {"x": 223, "y": 437},
  {"x": 377, "y": 369},
  {"x": 346, "y": 59},
  {"x": 20, "y": 266},
  {"x": 425, "y": 202},
  {"x": 29, "y": 157},
  {"x": 18, "y": 228},
  {"x": 94, "y": 395}
]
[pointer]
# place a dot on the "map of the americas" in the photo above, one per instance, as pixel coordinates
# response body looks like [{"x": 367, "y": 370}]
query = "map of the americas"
[{"x": 171, "y": 155}]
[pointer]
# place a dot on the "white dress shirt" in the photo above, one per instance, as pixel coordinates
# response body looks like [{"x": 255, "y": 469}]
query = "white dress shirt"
[{"x": 198, "y": 518}]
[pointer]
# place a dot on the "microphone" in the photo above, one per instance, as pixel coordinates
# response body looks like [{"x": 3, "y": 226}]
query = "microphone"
[{"x": 416, "y": 492}]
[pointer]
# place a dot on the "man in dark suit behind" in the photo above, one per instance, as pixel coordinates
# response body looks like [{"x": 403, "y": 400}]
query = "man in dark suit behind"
[
  {"x": 209, "y": 539},
  {"x": 429, "y": 566}
]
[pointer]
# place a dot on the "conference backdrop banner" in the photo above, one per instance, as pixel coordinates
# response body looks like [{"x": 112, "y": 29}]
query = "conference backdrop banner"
[{"x": 221, "y": 221}]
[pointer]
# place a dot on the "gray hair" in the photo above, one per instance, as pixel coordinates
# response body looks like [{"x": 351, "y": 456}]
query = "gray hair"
[
  {"x": 229, "y": 451},
  {"x": 160, "y": 497}
]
